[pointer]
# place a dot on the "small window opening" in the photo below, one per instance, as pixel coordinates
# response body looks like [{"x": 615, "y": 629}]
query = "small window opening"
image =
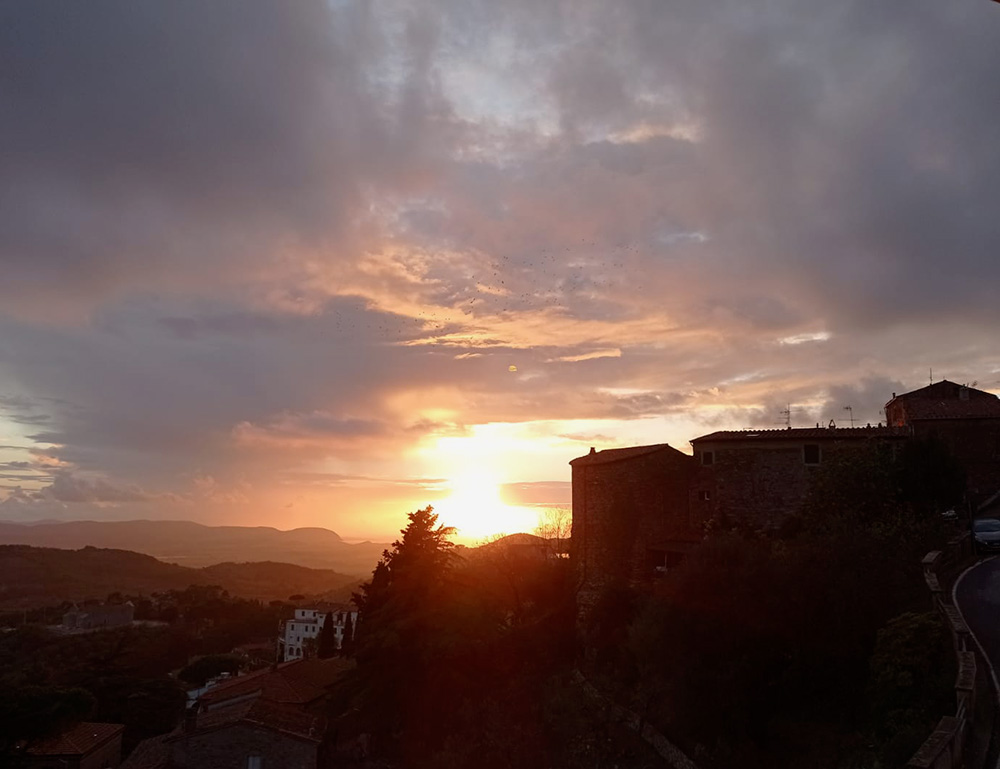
[
  {"x": 811, "y": 454},
  {"x": 708, "y": 458}
]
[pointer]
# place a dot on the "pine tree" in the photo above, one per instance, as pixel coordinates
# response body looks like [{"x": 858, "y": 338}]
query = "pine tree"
[{"x": 395, "y": 634}]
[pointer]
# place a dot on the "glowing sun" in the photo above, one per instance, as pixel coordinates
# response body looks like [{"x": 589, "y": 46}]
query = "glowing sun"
[{"x": 475, "y": 509}]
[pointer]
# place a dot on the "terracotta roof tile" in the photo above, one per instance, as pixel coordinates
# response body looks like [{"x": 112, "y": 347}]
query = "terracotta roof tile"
[
  {"x": 297, "y": 682},
  {"x": 617, "y": 455},
  {"x": 807, "y": 433},
  {"x": 78, "y": 741},
  {"x": 262, "y": 712}
]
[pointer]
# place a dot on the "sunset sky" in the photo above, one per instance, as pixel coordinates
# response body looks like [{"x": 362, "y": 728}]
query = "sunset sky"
[{"x": 302, "y": 264}]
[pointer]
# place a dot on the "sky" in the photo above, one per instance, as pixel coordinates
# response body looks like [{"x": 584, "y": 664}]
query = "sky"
[{"x": 323, "y": 263}]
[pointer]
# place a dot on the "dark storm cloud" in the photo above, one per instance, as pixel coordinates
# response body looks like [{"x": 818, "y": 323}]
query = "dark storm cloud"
[
  {"x": 305, "y": 225},
  {"x": 150, "y": 138},
  {"x": 866, "y": 400}
]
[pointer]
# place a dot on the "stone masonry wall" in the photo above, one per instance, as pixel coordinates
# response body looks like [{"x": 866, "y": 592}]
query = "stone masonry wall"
[
  {"x": 229, "y": 747},
  {"x": 620, "y": 509}
]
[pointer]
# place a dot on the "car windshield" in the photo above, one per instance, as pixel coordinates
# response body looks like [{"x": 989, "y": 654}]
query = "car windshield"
[{"x": 987, "y": 524}]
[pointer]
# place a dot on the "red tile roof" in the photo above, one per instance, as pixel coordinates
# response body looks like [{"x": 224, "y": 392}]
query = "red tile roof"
[
  {"x": 807, "y": 433},
  {"x": 259, "y": 711},
  {"x": 617, "y": 455},
  {"x": 298, "y": 682},
  {"x": 78, "y": 741}
]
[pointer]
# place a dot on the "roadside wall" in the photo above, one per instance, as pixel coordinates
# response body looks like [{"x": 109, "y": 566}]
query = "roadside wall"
[{"x": 962, "y": 739}]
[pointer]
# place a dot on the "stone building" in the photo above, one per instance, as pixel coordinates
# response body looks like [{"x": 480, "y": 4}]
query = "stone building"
[
  {"x": 271, "y": 718},
  {"x": 761, "y": 477},
  {"x": 631, "y": 514},
  {"x": 637, "y": 511},
  {"x": 98, "y": 616},
  {"x": 965, "y": 419}
]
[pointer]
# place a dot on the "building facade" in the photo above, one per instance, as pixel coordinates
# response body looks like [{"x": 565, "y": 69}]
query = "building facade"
[
  {"x": 637, "y": 511},
  {"x": 270, "y": 718},
  {"x": 761, "y": 477},
  {"x": 99, "y": 616},
  {"x": 964, "y": 419},
  {"x": 300, "y": 634},
  {"x": 631, "y": 514}
]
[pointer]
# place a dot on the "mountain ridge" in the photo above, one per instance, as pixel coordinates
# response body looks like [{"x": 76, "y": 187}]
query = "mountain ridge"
[
  {"x": 31, "y": 576},
  {"x": 196, "y": 545}
]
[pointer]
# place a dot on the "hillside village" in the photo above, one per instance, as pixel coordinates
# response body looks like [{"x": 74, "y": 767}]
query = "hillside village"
[
  {"x": 640, "y": 510},
  {"x": 639, "y": 515}
]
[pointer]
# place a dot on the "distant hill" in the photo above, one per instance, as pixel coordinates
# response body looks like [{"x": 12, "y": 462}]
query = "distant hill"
[
  {"x": 32, "y": 576},
  {"x": 195, "y": 545}
]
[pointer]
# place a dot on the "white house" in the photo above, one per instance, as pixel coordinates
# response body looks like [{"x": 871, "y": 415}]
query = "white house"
[{"x": 306, "y": 626}]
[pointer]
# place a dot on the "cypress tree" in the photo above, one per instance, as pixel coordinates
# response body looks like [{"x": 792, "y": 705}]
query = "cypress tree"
[{"x": 327, "y": 639}]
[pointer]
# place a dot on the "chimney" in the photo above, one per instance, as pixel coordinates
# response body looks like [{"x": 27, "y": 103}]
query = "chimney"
[{"x": 593, "y": 450}]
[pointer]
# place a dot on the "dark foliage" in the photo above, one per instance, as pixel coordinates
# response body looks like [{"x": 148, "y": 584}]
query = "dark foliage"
[
  {"x": 777, "y": 651},
  {"x": 209, "y": 666},
  {"x": 327, "y": 646},
  {"x": 465, "y": 661}
]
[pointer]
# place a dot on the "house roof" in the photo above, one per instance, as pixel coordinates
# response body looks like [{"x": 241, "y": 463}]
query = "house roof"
[
  {"x": 260, "y": 711},
  {"x": 947, "y": 400},
  {"x": 618, "y": 455},
  {"x": 298, "y": 682},
  {"x": 78, "y": 741},
  {"x": 153, "y": 753},
  {"x": 806, "y": 433}
]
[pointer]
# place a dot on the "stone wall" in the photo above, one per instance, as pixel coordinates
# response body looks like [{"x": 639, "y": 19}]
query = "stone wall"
[
  {"x": 760, "y": 484},
  {"x": 961, "y": 740},
  {"x": 229, "y": 747},
  {"x": 763, "y": 480},
  {"x": 629, "y": 517}
]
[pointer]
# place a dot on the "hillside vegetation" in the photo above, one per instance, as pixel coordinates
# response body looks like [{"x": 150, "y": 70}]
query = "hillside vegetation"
[{"x": 34, "y": 576}]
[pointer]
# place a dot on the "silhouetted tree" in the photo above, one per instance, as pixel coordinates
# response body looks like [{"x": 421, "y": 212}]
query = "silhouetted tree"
[
  {"x": 347, "y": 643},
  {"x": 396, "y": 632},
  {"x": 327, "y": 639}
]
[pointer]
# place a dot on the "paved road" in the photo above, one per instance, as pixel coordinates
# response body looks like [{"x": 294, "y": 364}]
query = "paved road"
[{"x": 978, "y": 596}]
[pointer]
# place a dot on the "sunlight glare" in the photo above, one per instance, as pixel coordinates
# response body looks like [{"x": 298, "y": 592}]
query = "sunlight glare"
[{"x": 475, "y": 510}]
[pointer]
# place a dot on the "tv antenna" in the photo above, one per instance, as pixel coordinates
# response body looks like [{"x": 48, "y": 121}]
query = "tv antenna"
[
  {"x": 850, "y": 411},
  {"x": 786, "y": 414}
]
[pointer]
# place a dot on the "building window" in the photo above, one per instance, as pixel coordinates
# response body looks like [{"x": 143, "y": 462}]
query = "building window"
[
  {"x": 708, "y": 458},
  {"x": 810, "y": 454},
  {"x": 255, "y": 762},
  {"x": 705, "y": 495}
]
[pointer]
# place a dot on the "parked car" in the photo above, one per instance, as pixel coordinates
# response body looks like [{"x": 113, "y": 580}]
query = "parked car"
[{"x": 986, "y": 532}]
